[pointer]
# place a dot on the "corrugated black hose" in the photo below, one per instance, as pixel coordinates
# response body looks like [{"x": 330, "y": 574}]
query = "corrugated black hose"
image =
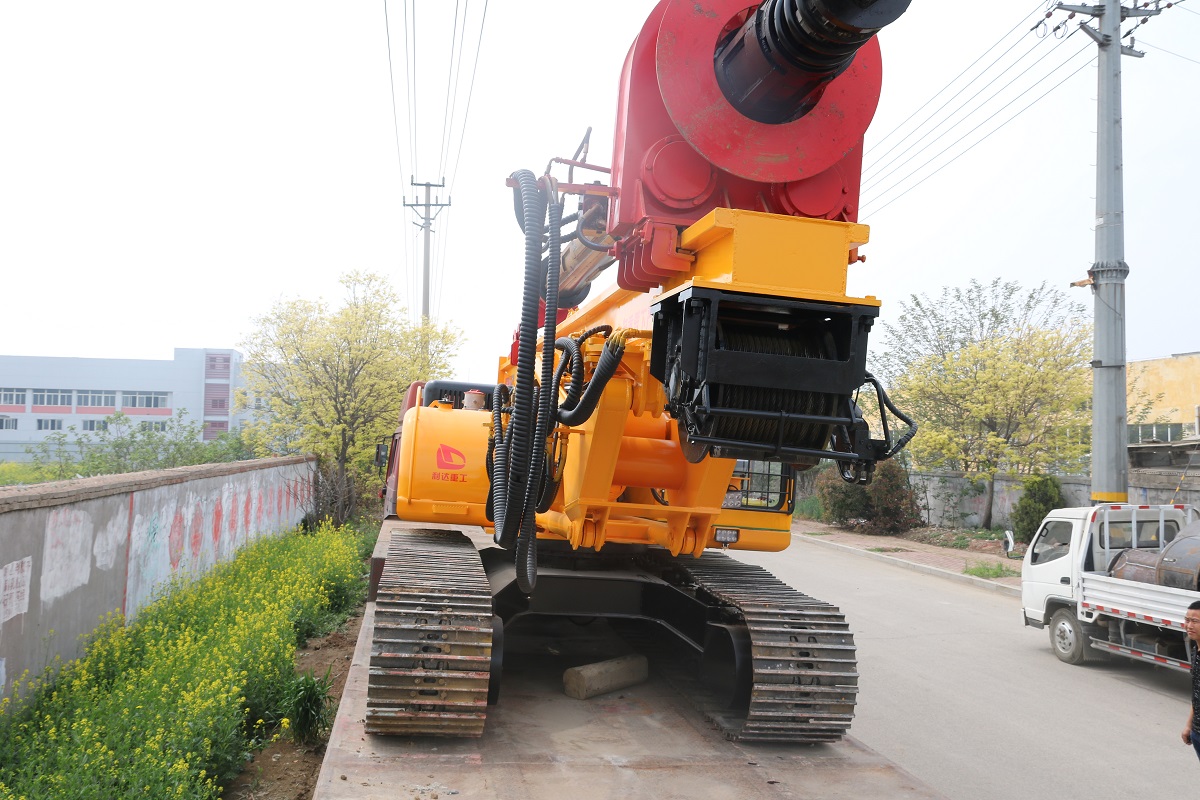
[
  {"x": 527, "y": 539},
  {"x": 516, "y": 452}
]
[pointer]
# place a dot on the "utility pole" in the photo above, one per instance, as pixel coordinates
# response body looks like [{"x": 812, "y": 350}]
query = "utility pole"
[
  {"x": 1110, "y": 461},
  {"x": 426, "y": 224}
]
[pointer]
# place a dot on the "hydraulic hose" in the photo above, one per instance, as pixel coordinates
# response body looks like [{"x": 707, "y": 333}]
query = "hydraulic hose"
[
  {"x": 527, "y": 538},
  {"x": 517, "y": 455},
  {"x": 886, "y": 402},
  {"x": 606, "y": 367}
]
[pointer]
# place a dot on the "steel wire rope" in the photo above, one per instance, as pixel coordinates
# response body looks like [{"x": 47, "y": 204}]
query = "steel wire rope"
[
  {"x": 981, "y": 140},
  {"x": 877, "y": 178},
  {"x": 948, "y": 85},
  {"x": 470, "y": 93},
  {"x": 396, "y": 131},
  {"x": 448, "y": 107}
]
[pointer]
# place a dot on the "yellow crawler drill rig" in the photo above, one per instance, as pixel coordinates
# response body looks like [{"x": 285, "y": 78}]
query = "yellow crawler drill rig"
[{"x": 633, "y": 437}]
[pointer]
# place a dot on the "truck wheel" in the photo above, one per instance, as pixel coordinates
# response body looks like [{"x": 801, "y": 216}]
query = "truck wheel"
[{"x": 1067, "y": 638}]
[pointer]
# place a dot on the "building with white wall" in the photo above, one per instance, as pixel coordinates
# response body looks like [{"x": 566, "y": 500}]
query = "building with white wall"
[{"x": 41, "y": 395}]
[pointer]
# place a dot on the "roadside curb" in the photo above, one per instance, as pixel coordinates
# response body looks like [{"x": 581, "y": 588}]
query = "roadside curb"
[{"x": 970, "y": 580}]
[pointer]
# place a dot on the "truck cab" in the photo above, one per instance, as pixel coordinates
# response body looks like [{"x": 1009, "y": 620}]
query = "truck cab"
[
  {"x": 1071, "y": 541},
  {"x": 1069, "y": 584}
]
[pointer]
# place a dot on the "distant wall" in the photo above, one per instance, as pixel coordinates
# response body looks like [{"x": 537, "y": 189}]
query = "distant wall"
[
  {"x": 951, "y": 500},
  {"x": 72, "y": 551}
]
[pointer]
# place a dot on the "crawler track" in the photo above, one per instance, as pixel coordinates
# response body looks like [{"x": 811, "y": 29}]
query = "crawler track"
[
  {"x": 431, "y": 652},
  {"x": 805, "y": 676}
]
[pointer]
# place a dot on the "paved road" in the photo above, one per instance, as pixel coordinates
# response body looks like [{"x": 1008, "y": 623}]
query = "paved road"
[{"x": 956, "y": 691}]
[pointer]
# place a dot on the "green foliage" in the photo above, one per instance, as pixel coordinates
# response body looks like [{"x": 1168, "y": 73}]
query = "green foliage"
[
  {"x": 809, "y": 508},
  {"x": 171, "y": 704},
  {"x": 1042, "y": 494},
  {"x": 14, "y": 473},
  {"x": 892, "y": 503},
  {"x": 841, "y": 501},
  {"x": 123, "y": 444},
  {"x": 990, "y": 571},
  {"x": 887, "y": 505},
  {"x": 309, "y": 707},
  {"x": 331, "y": 381},
  {"x": 997, "y": 376}
]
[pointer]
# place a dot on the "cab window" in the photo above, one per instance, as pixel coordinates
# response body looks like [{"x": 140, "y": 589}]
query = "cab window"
[
  {"x": 1052, "y": 542},
  {"x": 1119, "y": 535}
]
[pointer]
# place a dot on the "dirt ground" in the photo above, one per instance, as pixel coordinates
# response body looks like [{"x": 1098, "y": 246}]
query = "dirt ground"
[{"x": 285, "y": 770}]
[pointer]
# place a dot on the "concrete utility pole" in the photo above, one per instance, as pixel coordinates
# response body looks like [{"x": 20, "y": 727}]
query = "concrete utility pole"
[
  {"x": 1110, "y": 461},
  {"x": 426, "y": 224}
]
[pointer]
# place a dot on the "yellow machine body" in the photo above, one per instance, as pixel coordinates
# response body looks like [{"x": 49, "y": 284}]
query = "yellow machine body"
[{"x": 611, "y": 467}]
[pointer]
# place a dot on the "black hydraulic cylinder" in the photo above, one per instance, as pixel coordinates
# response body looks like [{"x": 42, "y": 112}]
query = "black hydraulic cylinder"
[{"x": 774, "y": 67}]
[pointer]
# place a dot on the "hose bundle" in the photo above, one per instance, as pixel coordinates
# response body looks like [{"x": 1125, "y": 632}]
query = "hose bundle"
[{"x": 518, "y": 468}]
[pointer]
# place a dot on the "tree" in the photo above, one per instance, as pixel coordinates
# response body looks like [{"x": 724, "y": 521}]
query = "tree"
[
  {"x": 331, "y": 381},
  {"x": 995, "y": 375},
  {"x": 123, "y": 444}
]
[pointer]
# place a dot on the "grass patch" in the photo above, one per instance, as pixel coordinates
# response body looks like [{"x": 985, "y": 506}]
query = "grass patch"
[
  {"x": 172, "y": 704},
  {"x": 887, "y": 550},
  {"x": 809, "y": 508},
  {"x": 990, "y": 571}
]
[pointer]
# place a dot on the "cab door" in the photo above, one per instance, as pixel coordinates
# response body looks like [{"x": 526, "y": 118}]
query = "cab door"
[{"x": 1046, "y": 573}]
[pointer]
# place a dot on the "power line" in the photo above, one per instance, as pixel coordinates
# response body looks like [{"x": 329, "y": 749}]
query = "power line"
[
  {"x": 410, "y": 84},
  {"x": 1168, "y": 52},
  {"x": 451, "y": 80},
  {"x": 982, "y": 139},
  {"x": 395, "y": 127},
  {"x": 878, "y": 177},
  {"x": 951, "y": 83},
  {"x": 470, "y": 93}
]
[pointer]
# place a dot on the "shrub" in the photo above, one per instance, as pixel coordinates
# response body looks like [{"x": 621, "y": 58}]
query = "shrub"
[
  {"x": 841, "y": 501},
  {"x": 809, "y": 508},
  {"x": 893, "y": 503},
  {"x": 1042, "y": 494}
]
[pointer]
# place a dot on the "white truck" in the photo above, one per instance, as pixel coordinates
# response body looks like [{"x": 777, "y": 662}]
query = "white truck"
[{"x": 1095, "y": 578}]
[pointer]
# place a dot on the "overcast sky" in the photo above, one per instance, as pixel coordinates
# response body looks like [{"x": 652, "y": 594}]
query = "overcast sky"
[{"x": 168, "y": 171}]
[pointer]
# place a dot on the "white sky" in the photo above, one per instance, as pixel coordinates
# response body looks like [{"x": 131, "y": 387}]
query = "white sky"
[{"x": 170, "y": 170}]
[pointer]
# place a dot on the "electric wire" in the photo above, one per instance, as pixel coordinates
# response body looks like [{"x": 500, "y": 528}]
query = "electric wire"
[
  {"x": 948, "y": 85},
  {"x": 396, "y": 131},
  {"x": 451, "y": 81},
  {"x": 410, "y": 77},
  {"x": 981, "y": 140},
  {"x": 878, "y": 176},
  {"x": 470, "y": 92},
  {"x": 1168, "y": 52}
]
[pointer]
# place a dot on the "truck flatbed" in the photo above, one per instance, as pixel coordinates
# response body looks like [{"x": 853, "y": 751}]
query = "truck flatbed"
[{"x": 647, "y": 741}]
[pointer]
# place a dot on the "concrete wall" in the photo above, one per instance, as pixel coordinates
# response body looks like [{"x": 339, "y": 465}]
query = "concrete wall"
[
  {"x": 72, "y": 551},
  {"x": 1177, "y": 379},
  {"x": 951, "y": 500}
]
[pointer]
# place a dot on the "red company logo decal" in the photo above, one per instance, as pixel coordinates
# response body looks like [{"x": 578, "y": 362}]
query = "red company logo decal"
[{"x": 449, "y": 458}]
